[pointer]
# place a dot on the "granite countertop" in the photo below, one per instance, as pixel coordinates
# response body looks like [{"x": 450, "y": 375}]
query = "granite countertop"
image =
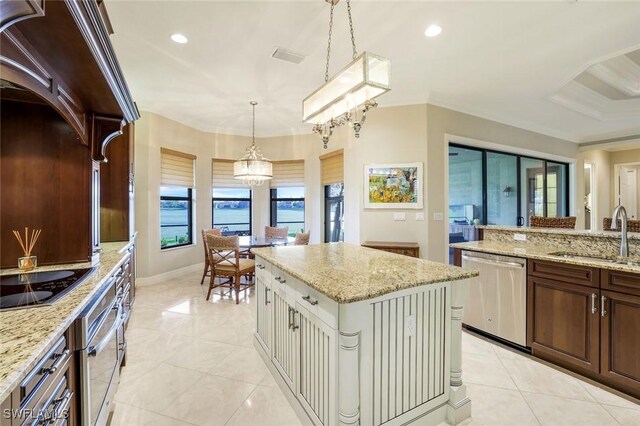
[
  {"x": 578, "y": 232},
  {"x": 26, "y": 334},
  {"x": 531, "y": 251},
  {"x": 349, "y": 273}
]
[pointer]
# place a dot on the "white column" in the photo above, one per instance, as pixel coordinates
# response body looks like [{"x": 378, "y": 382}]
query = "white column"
[
  {"x": 349, "y": 378},
  {"x": 459, "y": 405}
]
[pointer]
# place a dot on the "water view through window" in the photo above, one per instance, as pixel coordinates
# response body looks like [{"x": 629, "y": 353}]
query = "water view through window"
[
  {"x": 287, "y": 209},
  {"x": 175, "y": 216},
  {"x": 231, "y": 210}
]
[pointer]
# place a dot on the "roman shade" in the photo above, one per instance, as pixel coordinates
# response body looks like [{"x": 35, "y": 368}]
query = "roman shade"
[
  {"x": 332, "y": 167},
  {"x": 222, "y": 174},
  {"x": 288, "y": 174},
  {"x": 176, "y": 168}
]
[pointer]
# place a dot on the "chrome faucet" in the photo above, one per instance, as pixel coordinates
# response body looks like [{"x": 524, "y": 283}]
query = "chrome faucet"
[{"x": 624, "y": 243}]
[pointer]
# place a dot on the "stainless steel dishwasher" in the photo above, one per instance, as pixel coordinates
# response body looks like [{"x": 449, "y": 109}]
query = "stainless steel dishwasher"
[{"x": 497, "y": 301}]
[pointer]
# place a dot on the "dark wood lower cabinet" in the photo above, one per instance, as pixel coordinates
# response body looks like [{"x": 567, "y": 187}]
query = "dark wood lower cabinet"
[
  {"x": 564, "y": 323},
  {"x": 620, "y": 343},
  {"x": 593, "y": 330}
]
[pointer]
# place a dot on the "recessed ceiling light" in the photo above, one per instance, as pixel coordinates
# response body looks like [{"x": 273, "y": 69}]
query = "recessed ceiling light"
[
  {"x": 433, "y": 30},
  {"x": 179, "y": 38}
]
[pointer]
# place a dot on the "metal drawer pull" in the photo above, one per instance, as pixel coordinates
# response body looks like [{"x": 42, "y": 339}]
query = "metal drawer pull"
[
  {"x": 280, "y": 280},
  {"x": 603, "y": 311},
  {"x": 593, "y": 303},
  {"x": 260, "y": 266},
  {"x": 95, "y": 350},
  {"x": 266, "y": 296},
  {"x": 59, "y": 360},
  {"x": 59, "y": 406},
  {"x": 290, "y": 319},
  {"x": 308, "y": 299}
]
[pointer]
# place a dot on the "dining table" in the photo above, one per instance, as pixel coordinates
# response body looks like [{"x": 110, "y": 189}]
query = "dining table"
[{"x": 252, "y": 241}]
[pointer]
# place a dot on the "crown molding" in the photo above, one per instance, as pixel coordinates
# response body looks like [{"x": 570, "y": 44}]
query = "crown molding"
[{"x": 619, "y": 72}]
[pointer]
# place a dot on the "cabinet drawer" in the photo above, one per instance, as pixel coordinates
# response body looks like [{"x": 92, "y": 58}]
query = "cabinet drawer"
[
  {"x": 39, "y": 379},
  {"x": 623, "y": 282},
  {"x": 574, "y": 274},
  {"x": 263, "y": 269},
  {"x": 318, "y": 304},
  {"x": 53, "y": 407}
]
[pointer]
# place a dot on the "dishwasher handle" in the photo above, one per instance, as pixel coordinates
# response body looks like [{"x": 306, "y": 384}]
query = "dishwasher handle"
[{"x": 494, "y": 262}]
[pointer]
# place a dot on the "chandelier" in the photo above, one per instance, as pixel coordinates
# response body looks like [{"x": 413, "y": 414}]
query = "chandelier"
[
  {"x": 253, "y": 169},
  {"x": 347, "y": 96}
]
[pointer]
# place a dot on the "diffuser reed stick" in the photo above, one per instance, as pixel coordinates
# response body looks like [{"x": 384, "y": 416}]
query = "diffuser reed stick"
[{"x": 27, "y": 244}]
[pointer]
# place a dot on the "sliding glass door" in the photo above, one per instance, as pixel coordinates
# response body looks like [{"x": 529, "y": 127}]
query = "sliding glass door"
[{"x": 497, "y": 188}]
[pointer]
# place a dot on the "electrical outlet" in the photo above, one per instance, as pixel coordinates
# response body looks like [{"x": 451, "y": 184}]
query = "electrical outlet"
[
  {"x": 520, "y": 237},
  {"x": 410, "y": 325},
  {"x": 438, "y": 216},
  {"x": 420, "y": 216},
  {"x": 399, "y": 216}
]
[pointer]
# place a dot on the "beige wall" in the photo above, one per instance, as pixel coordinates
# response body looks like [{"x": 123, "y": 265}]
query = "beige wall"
[
  {"x": 602, "y": 190},
  {"x": 414, "y": 133}
]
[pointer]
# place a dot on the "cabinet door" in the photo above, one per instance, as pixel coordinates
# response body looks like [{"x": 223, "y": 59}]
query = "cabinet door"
[
  {"x": 264, "y": 315},
  {"x": 284, "y": 338},
  {"x": 564, "y": 323},
  {"x": 316, "y": 387},
  {"x": 620, "y": 316}
]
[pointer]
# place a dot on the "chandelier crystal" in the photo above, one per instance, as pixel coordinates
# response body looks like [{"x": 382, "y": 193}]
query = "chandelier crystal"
[
  {"x": 350, "y": 94},
  {"x": 253, "y": 169}
]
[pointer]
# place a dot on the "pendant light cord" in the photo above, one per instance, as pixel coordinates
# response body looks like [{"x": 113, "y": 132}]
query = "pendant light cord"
[
  {"x": 253, "y": 134},
  {"x": 353, "y": 38}
]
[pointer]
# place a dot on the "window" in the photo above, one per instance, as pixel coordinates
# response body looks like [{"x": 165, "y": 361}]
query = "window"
[
  {"x": 334, "y": 213},
  {"x": 231, "y": 210},
  {"x": 332, "y": 178},
  {"x": 176, "y": 187},
  {"x": 175, "y": 216},
  {"x": 287, "y": 209}
]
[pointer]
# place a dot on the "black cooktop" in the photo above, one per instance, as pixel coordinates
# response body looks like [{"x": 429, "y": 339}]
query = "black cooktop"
[{"x": 38, "y": 288}]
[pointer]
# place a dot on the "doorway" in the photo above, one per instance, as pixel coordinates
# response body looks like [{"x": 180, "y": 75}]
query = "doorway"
[
  {"x": 627, "y": 186},
  {"x": 590, "y": 214}
]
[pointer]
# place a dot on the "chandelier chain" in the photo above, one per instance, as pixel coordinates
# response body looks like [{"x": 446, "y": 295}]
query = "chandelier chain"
[
  {"x": 253, "y": 133},
  {"x": 353, "y": 37},
  {"x": 326, "y": 71}
]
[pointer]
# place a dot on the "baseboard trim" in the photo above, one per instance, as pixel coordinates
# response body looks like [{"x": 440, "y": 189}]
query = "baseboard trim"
[{"x": 176, "y": 273}]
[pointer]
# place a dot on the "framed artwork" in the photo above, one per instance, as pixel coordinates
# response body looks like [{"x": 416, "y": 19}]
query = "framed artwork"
[{"x": 393, "y": 186}]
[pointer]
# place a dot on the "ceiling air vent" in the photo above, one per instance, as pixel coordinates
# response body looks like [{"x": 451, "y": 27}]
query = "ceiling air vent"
[{"x": 287, "y": 55}]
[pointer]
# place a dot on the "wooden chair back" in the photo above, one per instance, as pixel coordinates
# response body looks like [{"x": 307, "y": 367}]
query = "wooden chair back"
[
  {"x": 552, "y": 222},
  {"x": 632, "y": 225},
  {"x": 275, "y": 232},
  {"x": 302, "y": 239},
  {"x": 223, "y": 253}
]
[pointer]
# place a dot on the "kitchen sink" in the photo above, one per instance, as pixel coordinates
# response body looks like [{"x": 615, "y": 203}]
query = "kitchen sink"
[{"x": 595, "y": 258}]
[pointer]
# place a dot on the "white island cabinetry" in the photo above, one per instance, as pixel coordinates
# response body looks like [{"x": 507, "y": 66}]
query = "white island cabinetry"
[{"x": 349, "y": 346}]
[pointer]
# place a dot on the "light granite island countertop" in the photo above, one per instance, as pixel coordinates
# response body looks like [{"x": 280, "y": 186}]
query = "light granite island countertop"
[
  {"x": 355, "y": 335},
  {"x": 26, "y": 334},
  {"x": 349, "y": 273}
]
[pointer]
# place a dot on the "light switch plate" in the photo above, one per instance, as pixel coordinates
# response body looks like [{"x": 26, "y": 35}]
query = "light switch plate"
[
  {"x": 438, "y": 216},
  {"x": 520, "y": 237},
  {"x": 420, "y": 216},
  {"x": 399, "y": 216}
]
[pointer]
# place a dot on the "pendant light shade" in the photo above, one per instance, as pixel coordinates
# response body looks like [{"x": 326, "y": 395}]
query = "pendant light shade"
[{"x": 253, "y": 169}]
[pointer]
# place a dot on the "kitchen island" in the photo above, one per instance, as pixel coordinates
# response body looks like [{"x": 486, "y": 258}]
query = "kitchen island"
[{"x": 360, "y": 336}]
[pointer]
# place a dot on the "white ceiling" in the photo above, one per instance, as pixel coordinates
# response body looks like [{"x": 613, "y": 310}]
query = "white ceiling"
[{"x": 499, "y": 60}]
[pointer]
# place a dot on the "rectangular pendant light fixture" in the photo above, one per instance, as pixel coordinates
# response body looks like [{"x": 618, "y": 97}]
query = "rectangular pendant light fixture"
[{"x": 366, "y": 78}]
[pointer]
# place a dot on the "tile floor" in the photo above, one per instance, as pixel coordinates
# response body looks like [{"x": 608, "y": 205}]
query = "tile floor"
[{"x": 192, "y": 362}]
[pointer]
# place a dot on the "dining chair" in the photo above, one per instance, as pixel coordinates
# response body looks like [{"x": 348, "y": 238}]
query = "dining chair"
[
  {"x": 632, "y": 225},
  {"x": 552, "y": 222},
  {"x": 225, "y": 261},
  {"x": 302, "y": 239},
  {"x": 275, "y": 232},
  {"x": 207, "y": 266}
]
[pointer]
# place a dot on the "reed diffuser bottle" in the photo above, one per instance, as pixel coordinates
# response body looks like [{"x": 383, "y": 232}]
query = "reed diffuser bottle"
[{"x": 27, "y": 262}]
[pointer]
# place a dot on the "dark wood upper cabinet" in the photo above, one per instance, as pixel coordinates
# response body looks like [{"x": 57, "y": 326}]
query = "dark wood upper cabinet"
[{"x": 64, "y": 103}]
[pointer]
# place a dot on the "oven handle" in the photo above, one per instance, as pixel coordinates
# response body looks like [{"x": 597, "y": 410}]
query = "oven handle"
[{"x": 95, "y": 350}]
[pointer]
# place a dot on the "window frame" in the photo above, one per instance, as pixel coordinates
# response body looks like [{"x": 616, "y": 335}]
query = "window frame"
[
  {"x": 189, "y": 199},
  {"x": 327, "y": 198},
  {"x": 273, "y": 209},
  {"x": 213, "y": 209}
]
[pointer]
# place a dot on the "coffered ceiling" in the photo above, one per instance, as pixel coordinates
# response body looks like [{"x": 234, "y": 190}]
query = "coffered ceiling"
[{"x": 506, "y": 61}]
